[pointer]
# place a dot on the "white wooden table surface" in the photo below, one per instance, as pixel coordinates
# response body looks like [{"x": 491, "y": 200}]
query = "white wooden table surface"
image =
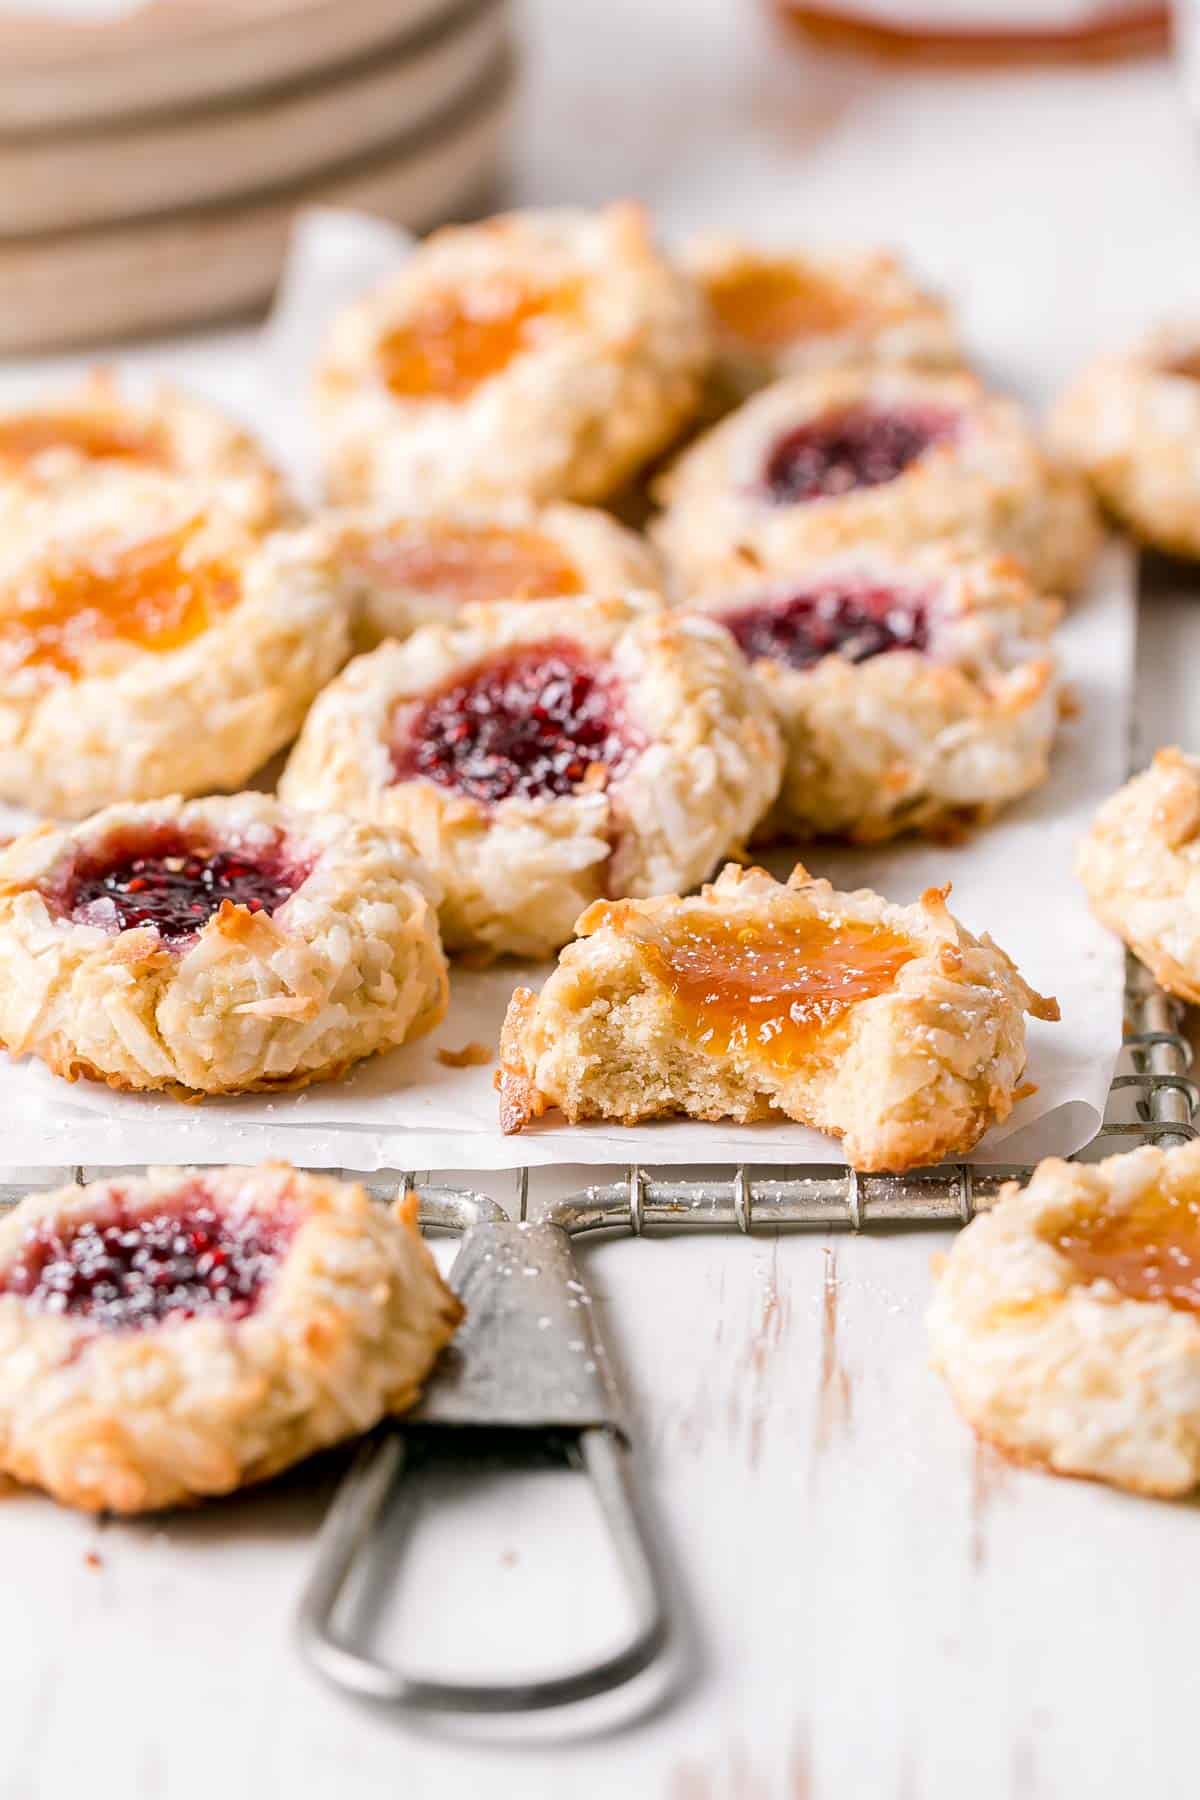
[{"x": 871, "y": 1606}]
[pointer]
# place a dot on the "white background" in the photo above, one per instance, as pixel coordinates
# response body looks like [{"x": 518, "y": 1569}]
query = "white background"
[{"x": 871, "y": 1606}]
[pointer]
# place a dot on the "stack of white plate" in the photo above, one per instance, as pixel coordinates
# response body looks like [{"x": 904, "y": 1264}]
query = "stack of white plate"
[{"x": 153, "y": 152}]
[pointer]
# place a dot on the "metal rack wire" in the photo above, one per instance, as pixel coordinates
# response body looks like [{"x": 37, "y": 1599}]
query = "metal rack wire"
[
  {"x": 505, "y": 1379},
  {"x": 1152, "y": 1073},
  {"x": 528, "y": 1368},
  {"x": 1152, "y": 1070}
]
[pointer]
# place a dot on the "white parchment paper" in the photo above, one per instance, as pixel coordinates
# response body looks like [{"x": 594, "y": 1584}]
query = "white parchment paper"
[{"x": 409, "y": 1110}]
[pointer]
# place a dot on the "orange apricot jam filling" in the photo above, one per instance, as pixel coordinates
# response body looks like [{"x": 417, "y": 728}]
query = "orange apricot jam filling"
[
  {"x": 456, "y": 341},
  {"x": 98, "y": 438},
  {"x": 467, "y": 562},
  {"x": 1149, "y": 1250},
  {"x": 143, "y": 594},
  {"x": 769, "y": 304},
  {"x": 771, "y": 987}
]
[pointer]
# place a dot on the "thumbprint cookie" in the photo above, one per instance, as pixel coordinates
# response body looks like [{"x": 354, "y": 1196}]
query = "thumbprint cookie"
[
  {"x": 150, "y": 645},
  {"x": 840, "y": 458},
  {"x": 420, "y": 568},
  {"x": 1131, "y": 424},
  {"x": 778, "y": 312},
  {"x": 916, "y": 689},
  {"x": 539, "y": 354},
  {"x": 176, "y": 1335},
  {"x": 541, "y": 756},
  {"x": 1140, "y": 864},
  {"x": 1066, "y": 1320},
  {"x": 214, "y": 946},
  {"x": 99, "y": 426},
  {"x": 888, "y": 1026}
]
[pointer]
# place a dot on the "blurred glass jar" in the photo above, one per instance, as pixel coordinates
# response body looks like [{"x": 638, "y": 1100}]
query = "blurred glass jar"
[{"x": 987, "y": 29}]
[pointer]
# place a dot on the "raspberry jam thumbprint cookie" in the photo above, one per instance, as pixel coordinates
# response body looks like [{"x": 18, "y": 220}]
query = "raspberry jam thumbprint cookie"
[
  {"x": 214, "y": 946},
  {"x": 849, "y": 458},
  {"x": 890, "y": 1027},
  {"x": 547, "y": 355},
  {"x": 1066, "y": 1320},
  {"x": 149, "y": 645},
  {"x": 916, "y": 689},
  {"x": 176, "y": 1335},
  {"x": 420, "y": 568},
  {"x": 541, "y": 756},
  {"x": 100, "y": 427}
]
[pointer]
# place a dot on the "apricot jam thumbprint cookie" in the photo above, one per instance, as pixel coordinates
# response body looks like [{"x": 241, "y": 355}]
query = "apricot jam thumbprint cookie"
[
  {"x": 98, "y": 426},
  {"x": 175, "y": 1335},
  {"x": 890, "y": 1027},
  {"x": 149, "y": 645},
  {"x": 539, "y": 354},
  {"x": 1066, "y": 1320},
  {"x": 402, "y": 570},
  {"x": 780, "y": 312}
]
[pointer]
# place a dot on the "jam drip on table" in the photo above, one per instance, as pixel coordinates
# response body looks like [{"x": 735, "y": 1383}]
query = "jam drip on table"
[
  {"x": 856, "y": 447},
  {"x": 1149, "y": 1250},
  {"x": 855, "y": 619},
  {"x": 177, "y": 887},
  {"x": 457, "y": 340},
  {"x": 770, "y": 304},
  {"x": 24, "y": 436},
  {"x": 146, "y": 594},
  {"x": 531, "y": 724},
  {"x": 465, "y": 562},
  {"x": 128, "y": 1269},
  {"x": 772, "y": 986}
]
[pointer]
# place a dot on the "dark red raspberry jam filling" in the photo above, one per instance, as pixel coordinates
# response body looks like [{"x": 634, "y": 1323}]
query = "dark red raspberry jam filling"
[
  {"x": 177, "y": 886},
  {"x": 127, "y": 1269},
  {"x": 849, "y": 618},
  {"x": 531, "y": 724},
  {"x": 856, "y": 447}
]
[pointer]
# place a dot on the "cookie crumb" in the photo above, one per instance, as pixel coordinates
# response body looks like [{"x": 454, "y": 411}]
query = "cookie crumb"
[
  {"x": 93, "y": 1559},
  {"x": 471, "y": 1056}
]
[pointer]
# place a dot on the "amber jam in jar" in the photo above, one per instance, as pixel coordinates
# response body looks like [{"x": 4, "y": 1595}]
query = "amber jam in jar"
[
  {"x": 456, "y": 341},
  {"x": 24, "y": 436},
  {"x": 767, "y": 304},
  {"x": 463, "y": 562},
  {"x": 919, "y": 30},
  {"x": 1148, "y": 1250},
  {"x": 772, "y": 986},
  {"x": 148, "y": 594}
]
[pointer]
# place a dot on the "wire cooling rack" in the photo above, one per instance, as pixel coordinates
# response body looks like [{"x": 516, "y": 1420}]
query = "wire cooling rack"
[
  {"x": 1152, "y": 1100},
  {"x": 529, "y": 1367},
  {"x": 527, "y": 1376}
]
